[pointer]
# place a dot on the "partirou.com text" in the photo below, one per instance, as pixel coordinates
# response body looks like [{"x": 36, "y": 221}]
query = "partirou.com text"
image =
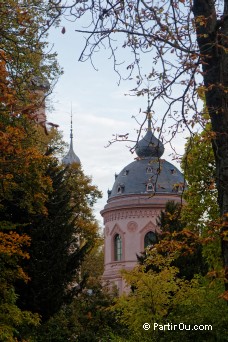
[{"x": 179, "y": 326}]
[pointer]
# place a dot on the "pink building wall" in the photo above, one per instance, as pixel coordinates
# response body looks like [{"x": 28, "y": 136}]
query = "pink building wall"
[{"x": 132, "y": 217}]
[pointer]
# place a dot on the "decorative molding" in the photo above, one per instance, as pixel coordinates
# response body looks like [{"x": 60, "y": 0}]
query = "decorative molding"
[
  {"x": 129, "y": 214},
  {"x": 116, "y": 230},
  {"x": 132, "y": 226},
  {"x": 150, "y": 226}
]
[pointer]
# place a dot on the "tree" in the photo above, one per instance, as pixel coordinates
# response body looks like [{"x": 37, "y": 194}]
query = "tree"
[
  {"x": 17, "y": 195},
  {"x": 93, "y": 265},
  {"x": 22, "y": 63},
  {"x": 23, "y": 188},
  {"x": 87, "y": 318},
  {"x": 169, "y": 220},
  {"x": 187, "y": 46},
  {"x": 201, "y": 207},
  {"x": 15, "y": 323},
  {"x": 163, "y": 298},
  {"x": 22, "y": 50},
  {"x": 23, "y": 183},
  {"x": 201, "y": 211},
  {"x": 186, "y": 246},
  {"x": 60, "y": 239}
]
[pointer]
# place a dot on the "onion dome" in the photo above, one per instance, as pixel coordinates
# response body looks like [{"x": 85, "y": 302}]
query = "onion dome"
[
  {"x": 71, "y": 157},
  {"x": 148, "y": 174},
  {"x": 149, "y": 146}
]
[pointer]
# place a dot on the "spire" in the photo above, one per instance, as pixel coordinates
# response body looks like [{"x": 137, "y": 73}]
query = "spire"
[
  {"x": 148, "y": 113},
  {"x": 71, "y": 157},
  {"x": 149, "y": 121},
  {"x": 149, "y": 146},
  {"x": 71, "y": 130}
]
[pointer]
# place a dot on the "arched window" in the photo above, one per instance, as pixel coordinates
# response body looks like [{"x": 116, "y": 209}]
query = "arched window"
[
  {"x": 150, "y": 239},
  {"x": 117, "y": 247}
]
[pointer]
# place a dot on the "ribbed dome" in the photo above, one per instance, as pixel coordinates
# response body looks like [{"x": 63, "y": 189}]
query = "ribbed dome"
[{"x": 149, "y": 146}]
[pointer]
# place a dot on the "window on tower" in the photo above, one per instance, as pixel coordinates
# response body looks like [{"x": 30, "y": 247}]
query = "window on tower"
[
  {"x": 120, "y": 188},
  {"x": 150, "y": 187},
  {"x": 117, "y": 247},
  {"x": 149, "y": 169},
  {"x": 150, "y": 239}
]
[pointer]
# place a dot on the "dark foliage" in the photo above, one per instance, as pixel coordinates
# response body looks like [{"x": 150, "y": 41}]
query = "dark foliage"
[
  {"x": 188, "y": 255},
  {"x": 55, "y": 251}
]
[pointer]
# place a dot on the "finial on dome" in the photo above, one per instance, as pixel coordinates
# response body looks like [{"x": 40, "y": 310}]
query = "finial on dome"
[
  {"x": 149, "y": 146},
  {"x": 71, "y": 157},
  {"x": 71, "y": 129},
  {"x": 148, "y": 113}
]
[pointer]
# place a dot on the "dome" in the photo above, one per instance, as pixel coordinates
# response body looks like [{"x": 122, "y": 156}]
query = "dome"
[
  {"x": 149, "y": 146},
  {"x": 71, "y": 157},
  {"x": 148, "y": 175}
]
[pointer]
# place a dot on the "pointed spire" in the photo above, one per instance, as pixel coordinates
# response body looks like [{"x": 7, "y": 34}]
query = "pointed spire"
[
  {"x": 71, "y": 157},
  {"x": 71, "y": 129},
  {"x": 149, "y": 116}
]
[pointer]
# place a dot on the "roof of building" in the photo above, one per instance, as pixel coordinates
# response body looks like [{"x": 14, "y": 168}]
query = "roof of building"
[
  {"x": 148, "y": 173},
  {"x": 149, "y": 146},
  {"x": 71, "y": 157}
]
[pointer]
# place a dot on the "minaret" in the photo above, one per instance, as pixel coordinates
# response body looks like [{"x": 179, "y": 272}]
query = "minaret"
[
  {"x": 41, "y": 88},
  {"x": 71, "y": 157}
]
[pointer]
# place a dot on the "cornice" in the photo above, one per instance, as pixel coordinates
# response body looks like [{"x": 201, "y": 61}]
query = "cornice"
[{"x": 123, "y": 214}]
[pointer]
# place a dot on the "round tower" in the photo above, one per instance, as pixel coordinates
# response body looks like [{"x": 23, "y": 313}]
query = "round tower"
[{"x": 140, "y": 191}]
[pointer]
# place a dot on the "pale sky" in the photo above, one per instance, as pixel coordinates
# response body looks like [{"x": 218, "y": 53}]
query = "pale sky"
[{"x": 100, "y": 109}]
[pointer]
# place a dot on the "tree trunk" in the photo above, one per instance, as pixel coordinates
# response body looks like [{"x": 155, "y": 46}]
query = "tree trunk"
[{"x": 212, "y": 39}]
